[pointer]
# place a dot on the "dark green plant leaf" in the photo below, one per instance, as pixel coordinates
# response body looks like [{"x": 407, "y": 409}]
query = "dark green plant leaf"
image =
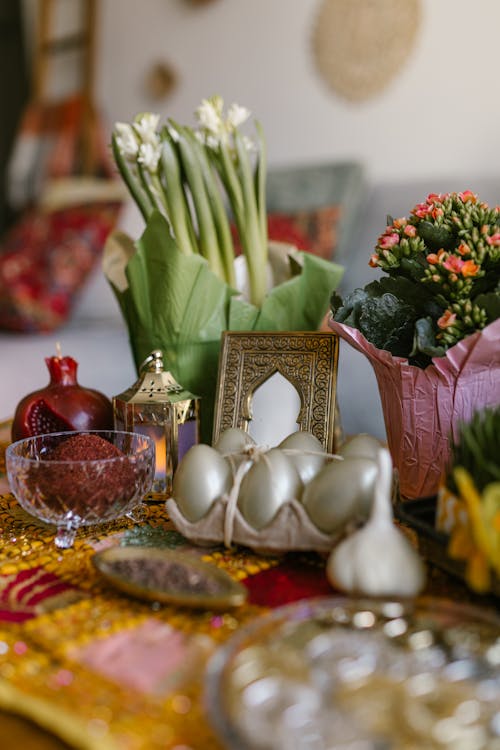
[
  {"x": 387, "y": 323},
  {"x": 413, "y": 268},
  {"x": 386, "y": 312},
  {"x": 491, "y": 303},
  {"x": 424, "y": 339},
  {"x": 436, "y": 237}
]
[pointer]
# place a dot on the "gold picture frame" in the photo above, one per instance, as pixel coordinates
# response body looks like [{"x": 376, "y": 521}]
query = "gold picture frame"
[{"x": 307, "y": 360}]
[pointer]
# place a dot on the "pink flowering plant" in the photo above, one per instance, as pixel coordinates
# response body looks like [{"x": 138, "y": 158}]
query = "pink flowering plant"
[{"x": 442, "y": 283}]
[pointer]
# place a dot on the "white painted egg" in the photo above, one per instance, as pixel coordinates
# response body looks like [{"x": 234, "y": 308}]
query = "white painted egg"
[
  {"x": 232, "y": 443},
  {"x": 271, "y": 481},
  {"x": 307, "y": 464},
  {"x": 202, "y": 476},
  {"x": 340, "y": 492},
  {"x": 362, "y": 446},
  {"x": 233, "y": 440}
]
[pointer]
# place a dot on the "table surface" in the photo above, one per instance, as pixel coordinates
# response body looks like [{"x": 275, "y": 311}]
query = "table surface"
[{"x": 110, "y": 671}]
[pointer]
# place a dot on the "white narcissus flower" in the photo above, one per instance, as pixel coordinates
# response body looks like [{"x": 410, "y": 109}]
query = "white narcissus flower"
[
  {"x": 149, "y": 156},
  {"x": 173, "y": 134},
  {"x": 249, "y": 145},
  {"x": 209, "y": 115},
  {"x": 236, "y": 116},
  {"x": 127, "y": 140},
  {"x": 146, "y": 125},
  {"x": 212, "y": 142}
]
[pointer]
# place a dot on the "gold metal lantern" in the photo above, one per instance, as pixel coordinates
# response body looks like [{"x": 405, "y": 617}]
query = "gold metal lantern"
[{"x": 156, "y": 405}]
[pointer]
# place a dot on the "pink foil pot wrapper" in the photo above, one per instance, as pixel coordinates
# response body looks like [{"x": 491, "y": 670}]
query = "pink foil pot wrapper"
[{"x": 423, "y": 408}]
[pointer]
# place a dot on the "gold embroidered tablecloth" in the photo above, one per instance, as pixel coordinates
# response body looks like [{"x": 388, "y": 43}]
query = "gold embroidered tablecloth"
[{"x": 103, "y": 671}]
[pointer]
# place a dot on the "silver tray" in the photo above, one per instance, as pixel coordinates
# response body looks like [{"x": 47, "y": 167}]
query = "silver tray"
[{"x": 358, "y": 674}]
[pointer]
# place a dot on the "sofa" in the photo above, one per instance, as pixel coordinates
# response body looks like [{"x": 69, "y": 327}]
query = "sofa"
[{"x": 96, "y": 337}]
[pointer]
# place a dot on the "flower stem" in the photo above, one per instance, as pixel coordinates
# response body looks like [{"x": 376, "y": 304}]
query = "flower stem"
[
  {"x": 208, "y": 241},
  {"x": 178, "y": 210},
  {"x": 140, "y": 196},
  {"x": 260, "y": 184},
  {"x": 218, "y": 210},
  {"x": 254, "y": 247}
]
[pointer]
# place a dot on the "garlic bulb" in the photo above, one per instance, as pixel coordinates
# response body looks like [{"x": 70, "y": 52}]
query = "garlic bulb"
[{"x": 377, "y": 560}]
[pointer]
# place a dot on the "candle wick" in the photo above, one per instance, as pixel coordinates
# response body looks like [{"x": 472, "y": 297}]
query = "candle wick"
[{"x": 58, "y": 350}]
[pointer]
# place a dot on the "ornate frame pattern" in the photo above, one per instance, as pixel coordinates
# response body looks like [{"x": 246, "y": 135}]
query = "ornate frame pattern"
[{"x": 307, "y": 360}]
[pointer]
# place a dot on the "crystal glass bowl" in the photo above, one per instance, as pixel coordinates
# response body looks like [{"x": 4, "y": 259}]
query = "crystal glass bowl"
[{"x": 65, "y": 484}]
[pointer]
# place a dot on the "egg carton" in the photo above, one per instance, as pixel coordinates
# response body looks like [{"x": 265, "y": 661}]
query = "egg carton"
[{"x": 290, "y": 529}]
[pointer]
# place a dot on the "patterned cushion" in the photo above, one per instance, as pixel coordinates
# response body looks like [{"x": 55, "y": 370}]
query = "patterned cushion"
[
  {"x": 314, "y": 230},
  {"x": 44, "y": 261}
]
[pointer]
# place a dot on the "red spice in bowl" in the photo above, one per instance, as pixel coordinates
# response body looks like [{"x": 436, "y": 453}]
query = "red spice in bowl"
[
  {"x": 83, "y": 447},
  {"x": 80, "y": 478},
  {"x": 85, "y": 478}
]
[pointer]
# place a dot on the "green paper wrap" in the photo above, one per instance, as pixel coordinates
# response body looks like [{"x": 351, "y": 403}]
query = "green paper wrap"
[{"x": 174, "y": 302}]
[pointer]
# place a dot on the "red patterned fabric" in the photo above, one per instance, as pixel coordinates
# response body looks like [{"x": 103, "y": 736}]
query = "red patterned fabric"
[
  {"x": 30, "y": 592},
  {"x": 313, "y": 231},
  {"x": 44, "y": 261},
  {"x": 55, "y": 139},
  {"x": 295, "y": 578}
]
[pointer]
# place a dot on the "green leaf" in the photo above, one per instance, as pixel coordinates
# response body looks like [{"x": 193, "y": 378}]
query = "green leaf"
[
  {"x": 243, "y": 316},
  {"x": 435, "y": 237},
  {"x": 413, "y": 268},
  {"x": 301, "y": 303},
  {"x": 386, "y": 312},
  {"x": 424, "y": 339},
  {"x": 387, "y": 322},
  {"x": 174, "y": 302},
  {"x": 491, "y": 303}
]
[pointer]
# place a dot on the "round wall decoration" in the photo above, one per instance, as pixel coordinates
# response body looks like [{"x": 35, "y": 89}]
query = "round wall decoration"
[{"x": 360, "y": 45}]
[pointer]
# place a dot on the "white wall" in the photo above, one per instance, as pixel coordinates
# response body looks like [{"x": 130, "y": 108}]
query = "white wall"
[{"x": 439, "y": 116}]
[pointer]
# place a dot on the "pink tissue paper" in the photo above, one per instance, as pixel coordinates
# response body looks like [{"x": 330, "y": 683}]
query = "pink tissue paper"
[{"x": 423, "y": 408}]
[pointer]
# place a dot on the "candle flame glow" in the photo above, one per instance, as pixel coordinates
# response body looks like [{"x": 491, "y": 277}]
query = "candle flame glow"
[{"x": 161, "y": 456}]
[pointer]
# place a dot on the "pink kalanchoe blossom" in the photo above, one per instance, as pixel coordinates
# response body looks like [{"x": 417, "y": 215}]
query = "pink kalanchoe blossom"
[
  {"x": 453, "y": 264},
  {"x": 388, "y": 240},
  {"x": 436, "y": 212},
  {"x": 410, "y": 230},
  {"x": 436, "y": 198},
  {"x": 421, "y": 210},
  {"x": 435, "y": 258},
  {"x": 447, "y": 319},
  {"x": 468, "y": 195},
  {"x": 400, "y": 223},
  {"x": 373, "y": 262},
  {"x": 463, "y": 249},
  {"x": 494, "y": 239}
]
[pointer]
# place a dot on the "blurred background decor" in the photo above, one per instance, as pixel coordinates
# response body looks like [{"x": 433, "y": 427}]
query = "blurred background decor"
[
  {"x": 360, "y": 46},
  {"x": 414, "y": 137}
]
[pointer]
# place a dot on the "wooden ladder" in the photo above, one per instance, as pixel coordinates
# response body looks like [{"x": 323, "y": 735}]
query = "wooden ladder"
[{"x": 47, "y": 46}]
